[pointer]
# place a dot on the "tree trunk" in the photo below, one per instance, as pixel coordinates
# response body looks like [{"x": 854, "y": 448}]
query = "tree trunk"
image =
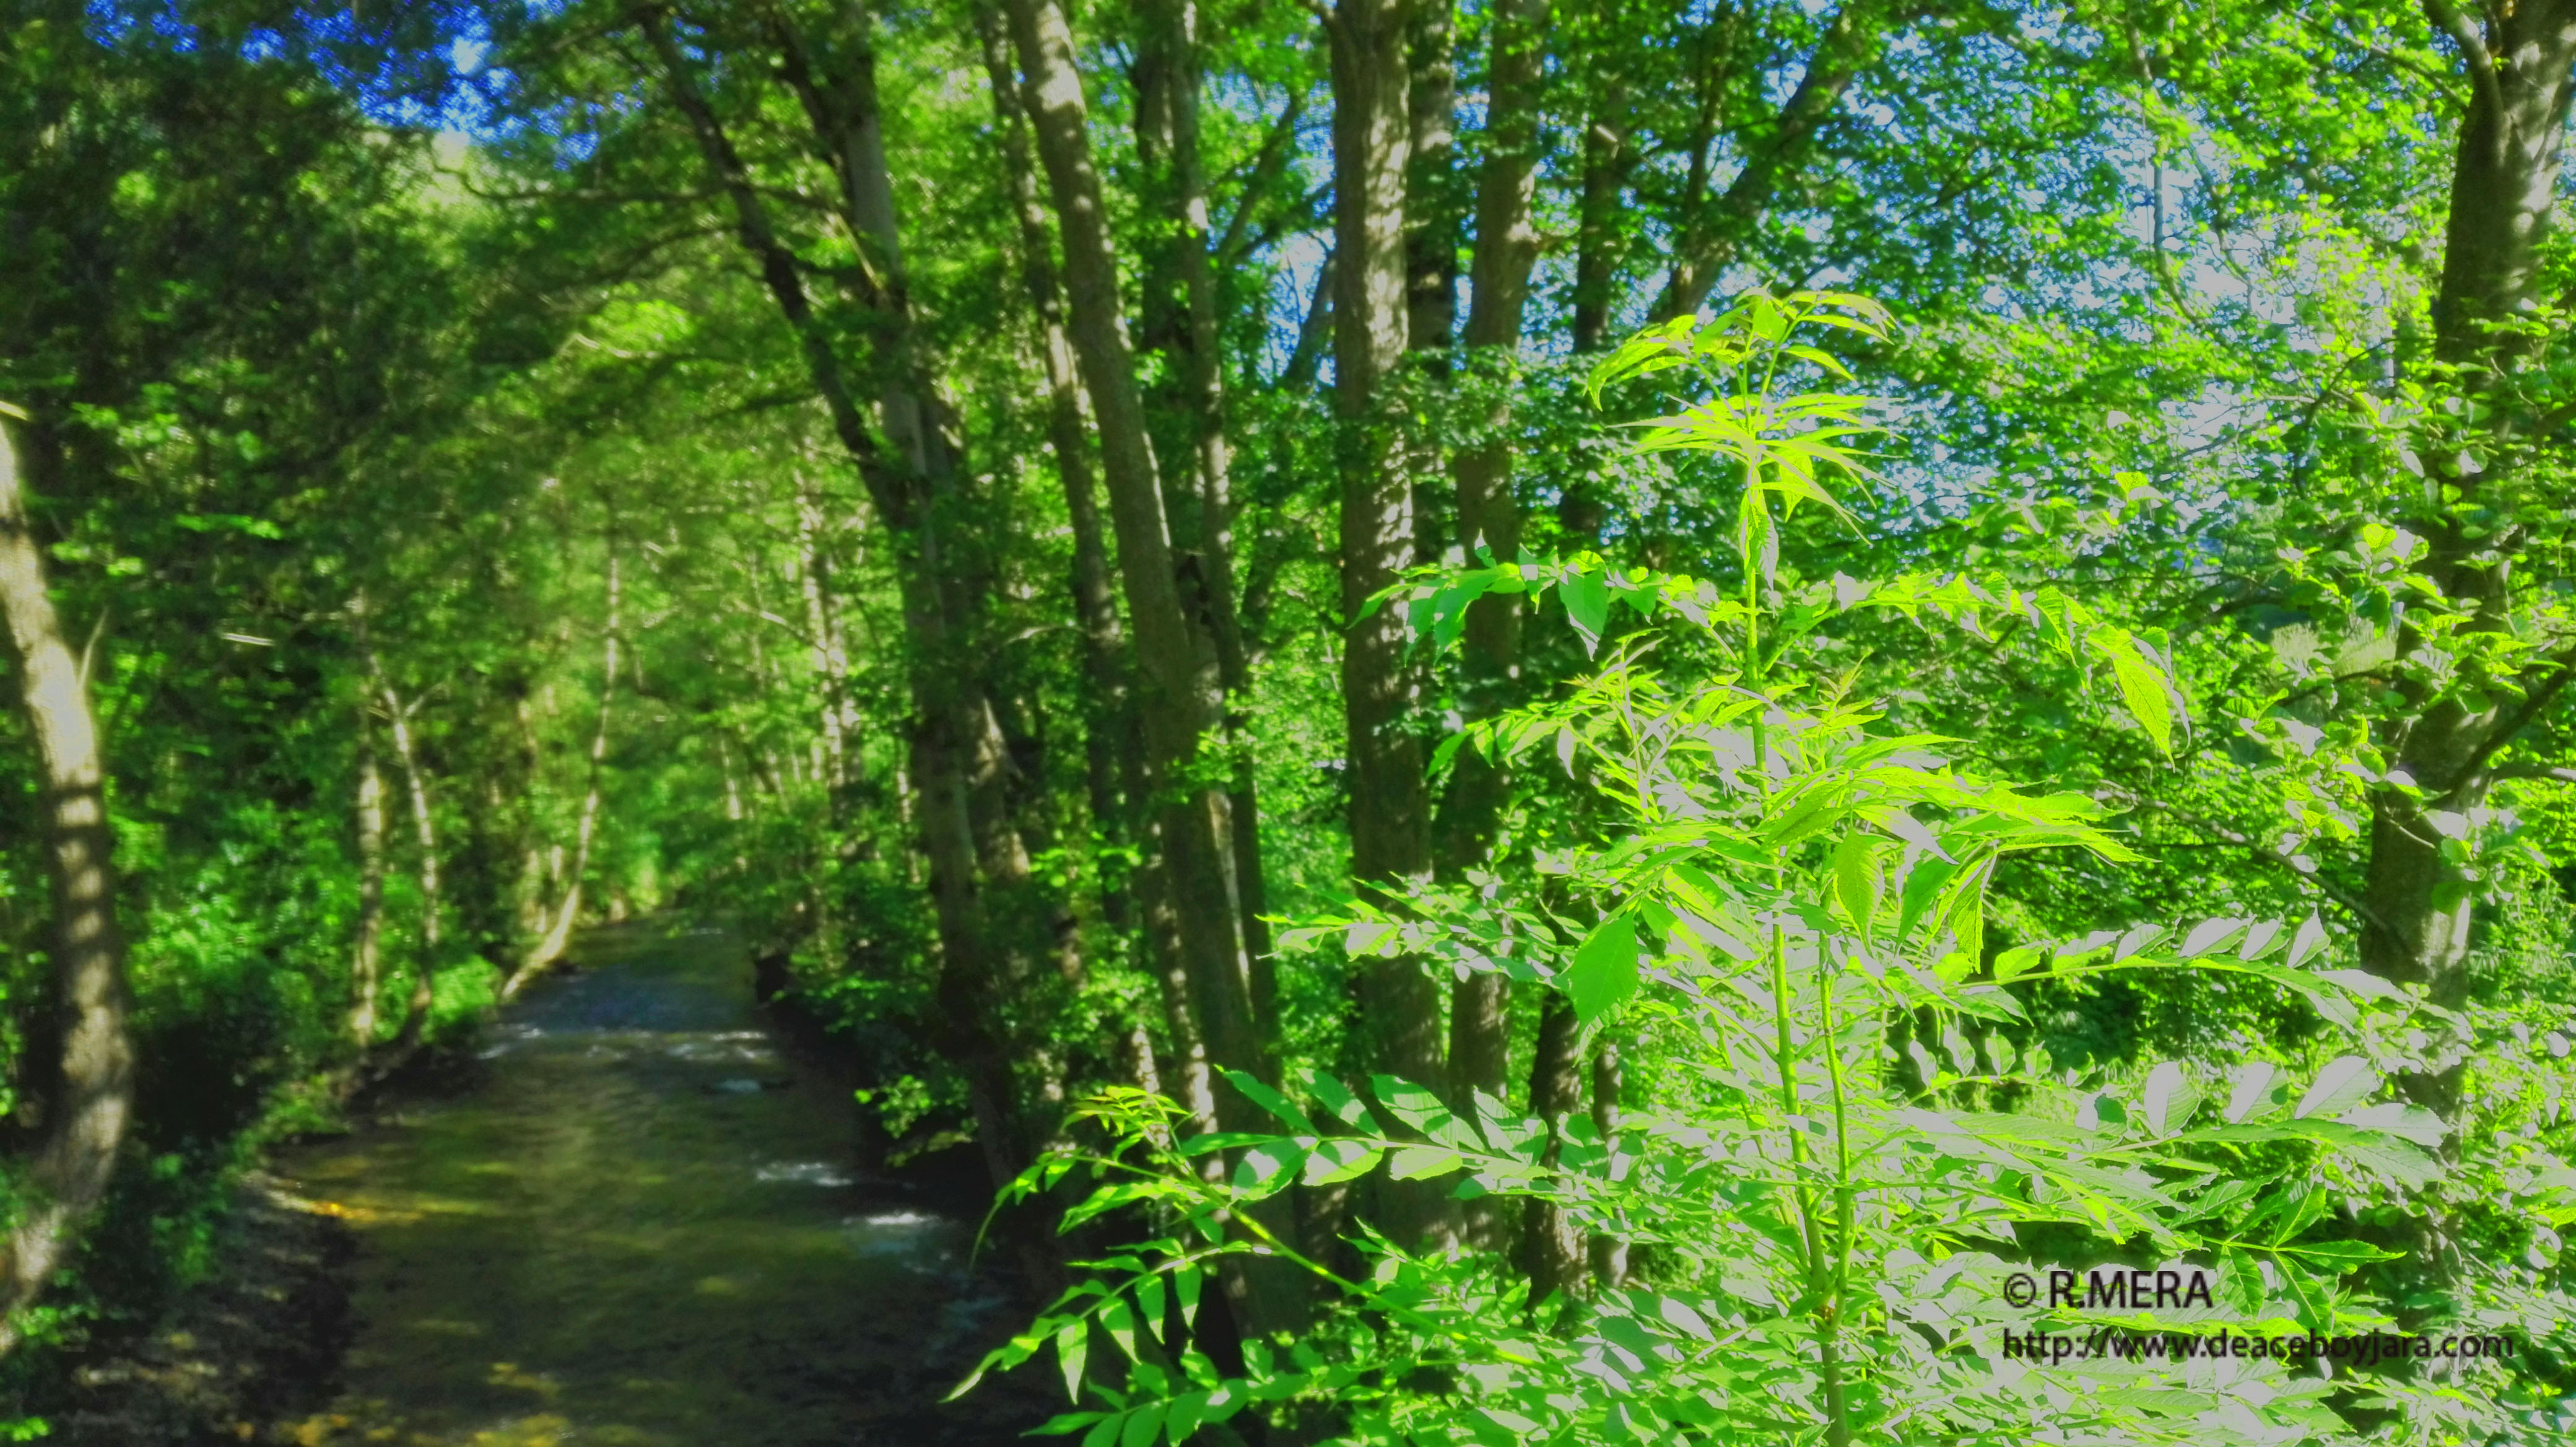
[
  {"x": 558, "y": 936},
  {"x": 1214, "y": 594},
  {"x": 1551, "y": 1250},
  {"x": 366, "y": 965},
  {"x": 1389, "y": 808},
  {"x": 1180, "y": 693},
  {"x": 831, "y": 661},
  {"x": 910, "y": 481},
  {"x": 424, "y": 977},
  {"x": 1600, "y": 251},
  {"x": 1115, "y": 761},
  {"x": 1599, "y": 240},
  {"x": 2503, "y": 187},
  {"x": 91, "y": 1092},
  {"x": 1489, "y": 516},
  {"x": 1432, "y": 214},
  {"x": 1609, "y": 1253}
]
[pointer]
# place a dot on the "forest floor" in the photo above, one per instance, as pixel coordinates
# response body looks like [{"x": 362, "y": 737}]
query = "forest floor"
[{"x": 258, "y": 1341}]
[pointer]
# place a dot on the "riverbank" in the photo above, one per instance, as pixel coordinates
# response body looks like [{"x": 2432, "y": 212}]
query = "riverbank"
[{"x": 258, "y": 1343}]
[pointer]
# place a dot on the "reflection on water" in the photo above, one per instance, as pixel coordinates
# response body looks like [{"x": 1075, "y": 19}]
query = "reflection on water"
[{"x": 646, "y": 1228}]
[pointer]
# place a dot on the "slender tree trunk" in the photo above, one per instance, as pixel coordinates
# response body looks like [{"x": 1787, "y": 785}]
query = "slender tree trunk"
[
  {"x": 558, "y": 936},
  {"x": 1203, "y": 376},
  {"x": 424, "y": 830},
  {"x": 1551, "y": 1249},
  {"x": 1609, "y": 1253},
  {"x": 1489, "y": 516},
  {"x": 1432, "y": 215},
  {"x": 1020, "y": 922},
  {"x": 1600, "y": 251},
  {"x": 1180, "y": 693},
  {"x": 1114, "y": 748},
  {"x": 1599, "y": 239},
  {"x": 1390, "y": 808},
  {"x": 425, "y": 967},
  {"x": 831, "y": 661},
  {"x": 2521, "y": 66},
  {"x": 901, "y": 476},
  {"x": 1095, "y": 604},
  {"x": 366, "y": 964},
  {"x": 1315, "y": 333},
  {"x": 91, "y": 1091}
]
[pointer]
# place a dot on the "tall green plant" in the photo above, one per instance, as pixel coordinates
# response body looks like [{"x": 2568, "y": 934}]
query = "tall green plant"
[{"x": 1846, "y": 1160}]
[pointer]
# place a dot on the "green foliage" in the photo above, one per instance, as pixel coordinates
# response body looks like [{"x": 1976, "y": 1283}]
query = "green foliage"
[{"x": 1792, "y": 912}]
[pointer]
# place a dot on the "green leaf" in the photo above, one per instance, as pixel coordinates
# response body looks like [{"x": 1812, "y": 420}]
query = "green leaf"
[
  {"x": 1269, "y": 1100},
  {"x": 1587, "y": 607},
  {"x": 2346, "y": 1081},
  {"x": 1857, "y": 881},
  {"x": 2143, "y": 685},
  {"x": 2208, "y": 935},
  {"x": 2169, "y": 1099},
  {"x": 1424, "y": 1111},
  {"x": 1604, "y": 972},
  {"x": 1266, "y": 1168},
  {"x": 1339, "y": 1160},
  {"x": 2311, "y": 938},
  {"x": 2253, "y": 1087},
  {"x": 1414, "y": 1162},
  {"x": 1072, "y": 1349},
  {"x": 1183, "y": 1415},
  {"x": 1143, "y": 1427},
  {"x": 1346, "y": 1107},
  {"x": 2410, "y": 1122},
  {"x": 2340, "y": 1257}
]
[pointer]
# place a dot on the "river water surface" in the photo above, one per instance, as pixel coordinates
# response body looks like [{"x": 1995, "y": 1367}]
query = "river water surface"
[{"x": 645, "y": 1225}]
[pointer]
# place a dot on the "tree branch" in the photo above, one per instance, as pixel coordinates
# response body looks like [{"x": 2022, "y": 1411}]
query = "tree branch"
[
  {"x": 1266, "y": 166},
  {"x": 2482, "y": 66},
  {"x": 2555, "y": 773}
]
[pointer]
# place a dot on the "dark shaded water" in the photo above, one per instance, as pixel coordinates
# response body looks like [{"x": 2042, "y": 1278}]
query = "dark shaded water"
[{"x": 646, "y": 1226}]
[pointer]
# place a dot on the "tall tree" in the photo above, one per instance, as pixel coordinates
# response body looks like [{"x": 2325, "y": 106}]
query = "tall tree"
[
  {"x": 1506, "y": 248},
  {"x": 911, "y": 479},
  {"x": 1180, "y": 693},
  {"x": 1390, "y": 811},
  {"x": 91, "y": 1092},
  {"x": 2519, "y": 69}
]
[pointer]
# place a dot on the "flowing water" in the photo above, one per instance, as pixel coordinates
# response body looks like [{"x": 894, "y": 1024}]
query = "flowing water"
[{"x": 645, "y": 1224}]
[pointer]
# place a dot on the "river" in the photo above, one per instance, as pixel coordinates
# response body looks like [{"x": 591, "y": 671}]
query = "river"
[{"x": 645, "y": 1224}]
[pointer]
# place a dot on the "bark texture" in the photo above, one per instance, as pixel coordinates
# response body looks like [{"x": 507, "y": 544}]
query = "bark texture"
[
  {"x": 1389, "y": 804},
  {"x": 1551, "y": 1250},
  {"x": 2520, "y": 64},
  {"x": 1115, "y": 750},
  {"x": 1489, "y": 517},
  {"x": 366, "y": 956},
  {"x": 91, "y": 1091},
  {"x": 1179, "y": 695},
  {"x": 1207, "y": 566},
  {"x": 424, "y": 974}
]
